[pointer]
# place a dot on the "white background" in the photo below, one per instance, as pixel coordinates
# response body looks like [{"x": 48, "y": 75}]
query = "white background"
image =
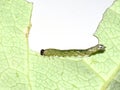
[{"x": 65, "y": 24}]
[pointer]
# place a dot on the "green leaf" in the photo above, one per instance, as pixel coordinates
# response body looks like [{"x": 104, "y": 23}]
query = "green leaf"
[
  {"x": 23, "y": 69},
  {"x": 14, "y": 61}
]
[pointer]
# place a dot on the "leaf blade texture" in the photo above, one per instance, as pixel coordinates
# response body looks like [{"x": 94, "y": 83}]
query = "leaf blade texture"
[{"x": 23, "y": 69}]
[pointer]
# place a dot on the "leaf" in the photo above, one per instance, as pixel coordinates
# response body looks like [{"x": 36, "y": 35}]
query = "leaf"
[
  {"x": 14, "y": 23},
  {"x": 23, "y": 69}
]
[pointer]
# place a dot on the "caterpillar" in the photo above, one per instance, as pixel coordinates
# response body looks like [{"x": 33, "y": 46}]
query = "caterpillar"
[{"x": 99, "y": 48}]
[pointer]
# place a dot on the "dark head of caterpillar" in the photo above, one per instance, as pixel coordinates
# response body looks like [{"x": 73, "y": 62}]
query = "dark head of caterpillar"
[{"x": 42, "y": 52}]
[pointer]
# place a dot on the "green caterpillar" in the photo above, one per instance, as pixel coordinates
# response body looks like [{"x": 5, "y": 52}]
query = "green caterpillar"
[{"x": 99, "y": 48}]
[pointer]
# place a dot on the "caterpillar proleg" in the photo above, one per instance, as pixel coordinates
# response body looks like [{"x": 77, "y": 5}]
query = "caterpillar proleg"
[{"x": 99, "y": 48}]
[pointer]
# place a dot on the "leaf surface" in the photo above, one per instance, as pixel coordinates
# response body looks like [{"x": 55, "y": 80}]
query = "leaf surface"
[{"x": 23, "y": 69}]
